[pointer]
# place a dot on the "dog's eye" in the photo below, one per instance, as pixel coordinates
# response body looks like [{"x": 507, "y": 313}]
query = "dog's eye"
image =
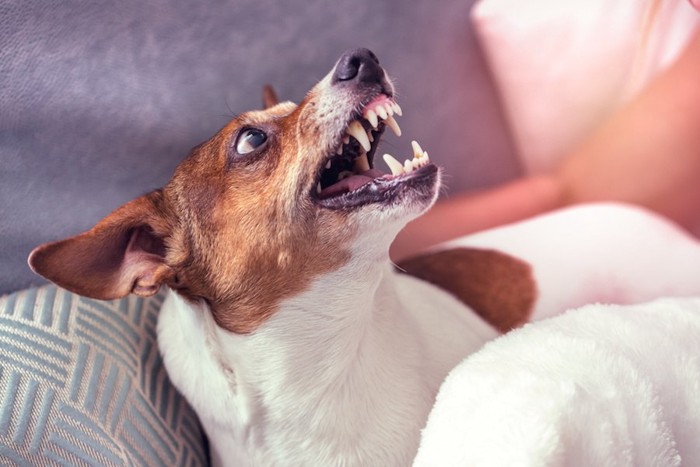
[{"x": 249, "y": 140}]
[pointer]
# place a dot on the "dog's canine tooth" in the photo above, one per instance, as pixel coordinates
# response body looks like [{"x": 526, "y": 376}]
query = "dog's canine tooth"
[
  {"x": 362, "y": 163},
  {"x": 397, "y": 109},
  {"x": 381, "y": 112},
  {"x": 371, "y": 117},
  {"x": 394, "y": 165},
  {"x": 356, "y": 130},
  {"x": 417, "y": 150},
  {"x": 391, "y": 123}
]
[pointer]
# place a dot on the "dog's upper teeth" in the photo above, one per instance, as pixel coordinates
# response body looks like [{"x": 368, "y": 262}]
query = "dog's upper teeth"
[
  {"x": 384, "y": 112},
  {"x": 356, "y": 130},
  {"x": 391, "y": 123},
  {"x": 372, "y": 118}
]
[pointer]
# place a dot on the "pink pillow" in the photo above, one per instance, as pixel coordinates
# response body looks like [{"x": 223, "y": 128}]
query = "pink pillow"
[{"x": 562, "y": 67}]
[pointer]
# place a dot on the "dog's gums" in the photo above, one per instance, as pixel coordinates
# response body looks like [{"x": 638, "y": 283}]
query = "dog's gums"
[{"x": 350, "y": 170}]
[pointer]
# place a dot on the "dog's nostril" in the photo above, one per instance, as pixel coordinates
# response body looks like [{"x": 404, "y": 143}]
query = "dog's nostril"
[
  {"x": 358, "y": 64},
  {"x": 347, "y": 69}
]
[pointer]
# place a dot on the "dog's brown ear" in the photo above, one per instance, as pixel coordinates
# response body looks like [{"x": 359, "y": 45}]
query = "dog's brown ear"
[
  {"x": 269, "y": 97},
  {"x": 124, "y": 253}
]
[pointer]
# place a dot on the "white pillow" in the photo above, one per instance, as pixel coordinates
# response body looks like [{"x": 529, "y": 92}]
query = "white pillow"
[{"x": 562, "y": 67}]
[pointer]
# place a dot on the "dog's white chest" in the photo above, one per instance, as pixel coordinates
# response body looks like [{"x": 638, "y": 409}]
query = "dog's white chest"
[{"x": 350, "y": 382}]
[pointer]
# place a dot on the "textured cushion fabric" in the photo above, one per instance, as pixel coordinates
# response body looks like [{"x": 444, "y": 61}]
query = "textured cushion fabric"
[
  {"x": 100, "y": 100},
  {"x": 82, "y": 383},
  {"x": 563, "y": 67}
]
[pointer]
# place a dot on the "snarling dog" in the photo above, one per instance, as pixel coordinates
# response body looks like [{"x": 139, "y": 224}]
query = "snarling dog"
[{"x": 286, "y": 326}]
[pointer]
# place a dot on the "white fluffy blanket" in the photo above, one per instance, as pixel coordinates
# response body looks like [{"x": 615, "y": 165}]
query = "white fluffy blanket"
[{"x": 602, "y": 385}]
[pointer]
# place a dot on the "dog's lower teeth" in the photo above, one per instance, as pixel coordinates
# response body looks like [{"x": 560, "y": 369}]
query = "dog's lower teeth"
[
  {"x": 394, "y": 165},
  {"x": 362, "y": 164},
  {"x": 318, "y": 189},
  {"x": 420, "y": 159}
]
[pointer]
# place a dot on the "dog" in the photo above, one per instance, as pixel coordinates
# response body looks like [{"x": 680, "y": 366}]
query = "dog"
[{"x": 286, "y": 326}]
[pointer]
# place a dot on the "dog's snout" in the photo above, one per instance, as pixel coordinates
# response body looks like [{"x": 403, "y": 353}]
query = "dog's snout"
[{"x": 358, "y": 65}]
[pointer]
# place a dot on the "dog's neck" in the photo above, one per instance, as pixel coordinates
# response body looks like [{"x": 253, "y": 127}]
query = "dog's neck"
[{"x": 323, "y": 362}]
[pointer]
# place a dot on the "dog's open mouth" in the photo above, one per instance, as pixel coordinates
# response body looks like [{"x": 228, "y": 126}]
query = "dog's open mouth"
[{"x": 349, "y": 176}]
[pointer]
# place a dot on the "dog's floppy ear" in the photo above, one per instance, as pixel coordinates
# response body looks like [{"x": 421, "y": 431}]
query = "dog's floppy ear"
[
  {"x": 269, "y": 97},
  {"x": 124, "y": 253}
]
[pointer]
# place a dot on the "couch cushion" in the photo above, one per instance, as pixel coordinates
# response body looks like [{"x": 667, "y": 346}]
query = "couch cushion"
[{"x": 82, "y": 383}]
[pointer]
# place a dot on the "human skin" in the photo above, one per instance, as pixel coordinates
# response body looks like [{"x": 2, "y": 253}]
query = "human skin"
[{"x": 647, "y": 153}]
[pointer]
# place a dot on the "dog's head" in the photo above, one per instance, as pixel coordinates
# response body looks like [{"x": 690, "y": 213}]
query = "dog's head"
[{"x": 274, "y": 200}]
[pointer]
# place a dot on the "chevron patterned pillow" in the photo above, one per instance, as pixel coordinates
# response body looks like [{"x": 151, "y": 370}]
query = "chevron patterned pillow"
[{"x": 82, "y": 383}]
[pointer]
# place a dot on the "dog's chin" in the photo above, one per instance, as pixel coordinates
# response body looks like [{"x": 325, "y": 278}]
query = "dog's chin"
[{"x": 389, "y": 206}]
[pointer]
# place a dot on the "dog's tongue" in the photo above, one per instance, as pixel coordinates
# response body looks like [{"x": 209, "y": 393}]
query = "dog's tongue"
[{"x": 350, "y": 183}]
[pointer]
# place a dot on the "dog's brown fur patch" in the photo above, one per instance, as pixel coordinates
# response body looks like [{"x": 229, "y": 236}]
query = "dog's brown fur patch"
[
  {"x": 237, "y": 232},
  {"x": 250, "y": 241},
  {"x": 498, "y": 287}
]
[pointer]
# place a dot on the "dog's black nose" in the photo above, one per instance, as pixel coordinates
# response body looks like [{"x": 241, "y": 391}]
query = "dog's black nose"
[{"x": 360, "y": 65}]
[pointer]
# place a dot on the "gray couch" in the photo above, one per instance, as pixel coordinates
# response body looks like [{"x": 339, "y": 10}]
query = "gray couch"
[{"x": 98, "y": 103}]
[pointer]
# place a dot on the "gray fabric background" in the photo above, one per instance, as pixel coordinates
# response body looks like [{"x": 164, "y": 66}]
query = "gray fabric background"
[{"x": 100, "y": 100}]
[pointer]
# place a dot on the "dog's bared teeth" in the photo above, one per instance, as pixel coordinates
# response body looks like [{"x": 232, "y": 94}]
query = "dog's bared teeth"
[
  {"x": 381, "y": 112},
  {"x": 318, "y": 189},
  {"x": 397, "y": 109},
  {"x": 370, "y": 136},
  {"x": 420, "y": 159},
  {"x": 389, "y": 109},
  {"x": 394, "y": 165},
  {"x": 391, "y": 123},
  {"x": 356, "y": 130},
  {"x": 417, "y": 150},
  {"x": 371, "y": 117},
  {"x": 361, "y": 164},
  {"x": 328, "y": 165}
]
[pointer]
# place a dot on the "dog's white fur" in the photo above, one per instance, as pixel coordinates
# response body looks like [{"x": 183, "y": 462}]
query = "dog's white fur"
[{"x": 346, "y": 372}]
